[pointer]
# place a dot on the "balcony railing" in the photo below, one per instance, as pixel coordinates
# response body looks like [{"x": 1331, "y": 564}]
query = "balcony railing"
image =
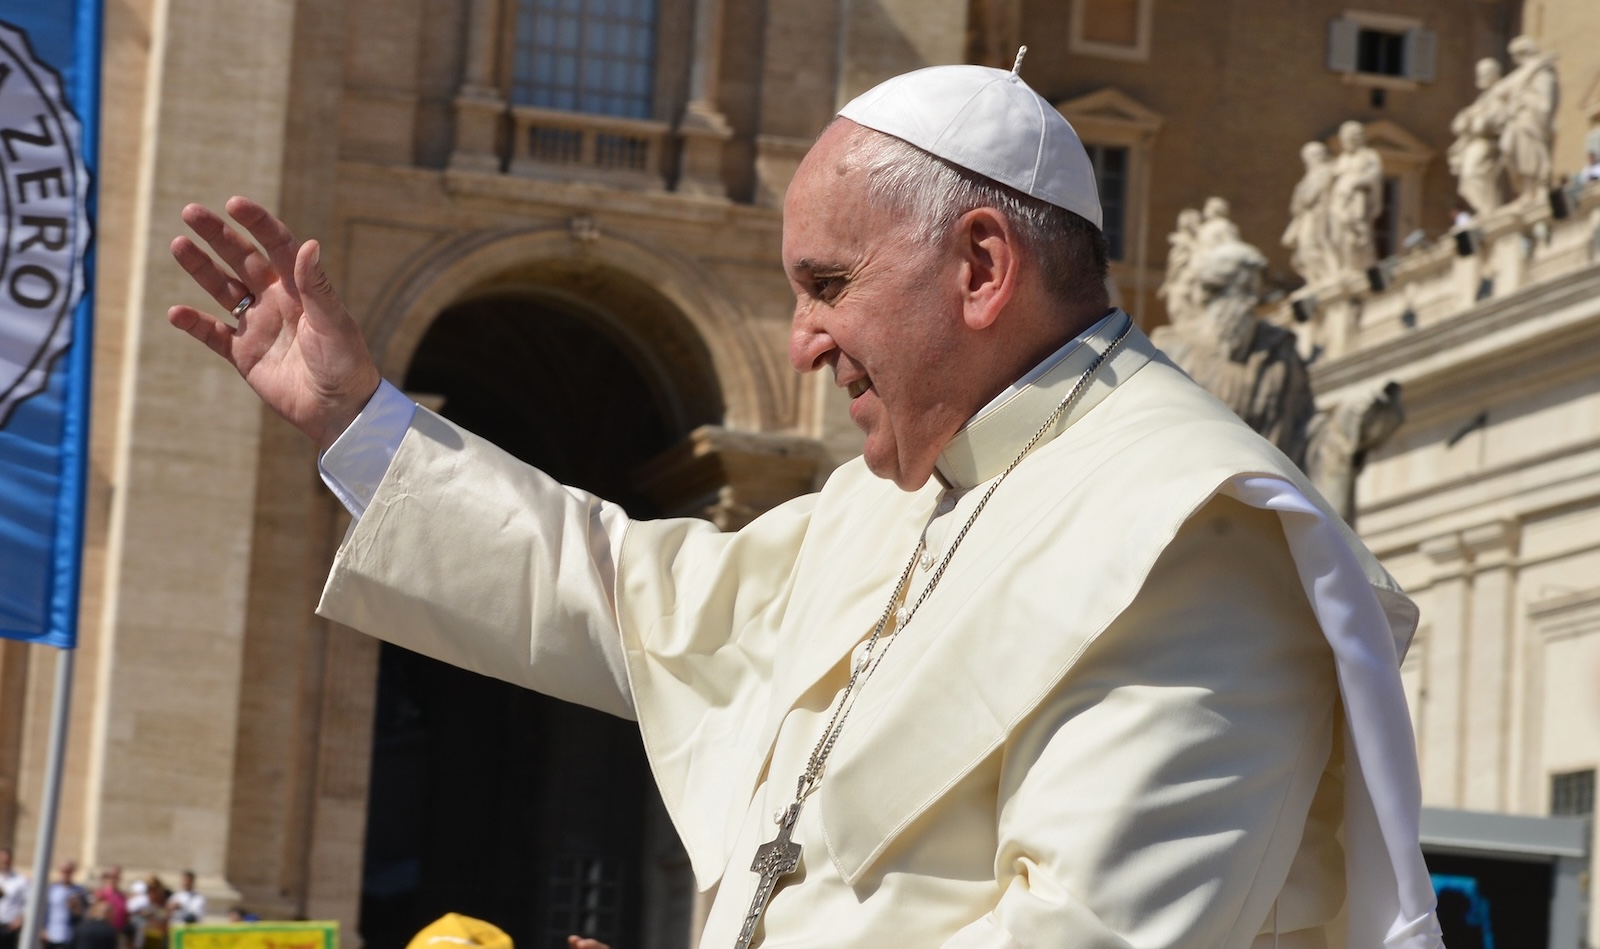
[{"x": 547, "y": 143}]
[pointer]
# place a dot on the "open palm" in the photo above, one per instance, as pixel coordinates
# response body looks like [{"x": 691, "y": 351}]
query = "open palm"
[{"x": 295, "y": 344}]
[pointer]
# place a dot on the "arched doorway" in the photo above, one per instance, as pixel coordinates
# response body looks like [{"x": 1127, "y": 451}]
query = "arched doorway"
[{"x": 487, "y": 799}]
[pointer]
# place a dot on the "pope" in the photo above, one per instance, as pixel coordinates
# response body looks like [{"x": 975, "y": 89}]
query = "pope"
[{"x": 1069, "y": 657}]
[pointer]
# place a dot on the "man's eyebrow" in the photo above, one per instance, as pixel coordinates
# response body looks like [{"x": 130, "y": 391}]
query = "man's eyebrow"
[{"x": 813, "y": 266}]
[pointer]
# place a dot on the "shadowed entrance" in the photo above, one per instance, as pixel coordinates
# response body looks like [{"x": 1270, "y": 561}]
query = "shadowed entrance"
[{"x": 488, "y": 799}]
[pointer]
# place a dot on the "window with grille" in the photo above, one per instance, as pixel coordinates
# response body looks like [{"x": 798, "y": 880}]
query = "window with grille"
[
  {"x": 1111, "y": 174},
  {"x": 1572, "y": 794},
  {"x": 596, "y": 56},
  {"x": 586, "y": 899}
]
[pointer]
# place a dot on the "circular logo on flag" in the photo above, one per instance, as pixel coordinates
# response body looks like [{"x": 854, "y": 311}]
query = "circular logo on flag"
[{"x": 45, "y": 219}]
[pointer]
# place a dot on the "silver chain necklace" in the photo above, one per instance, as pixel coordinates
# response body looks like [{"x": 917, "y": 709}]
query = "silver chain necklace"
[{"x": 780, "y": 856}]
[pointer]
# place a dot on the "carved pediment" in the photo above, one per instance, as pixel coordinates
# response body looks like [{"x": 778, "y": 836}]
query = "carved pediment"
[{"x": 1110, "y": 111}]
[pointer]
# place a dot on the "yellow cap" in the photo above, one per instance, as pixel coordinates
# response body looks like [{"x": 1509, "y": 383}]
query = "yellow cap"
[{"x": 454, "y": 931}]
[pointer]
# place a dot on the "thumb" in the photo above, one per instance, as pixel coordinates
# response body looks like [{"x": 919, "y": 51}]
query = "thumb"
[{"x": 317, "y": 296}]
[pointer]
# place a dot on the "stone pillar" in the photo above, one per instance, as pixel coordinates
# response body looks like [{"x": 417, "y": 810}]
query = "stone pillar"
[
  {"x": 13, "y": 692},
  {"x": 883, "y": 38},
  {"x": 1491, "y": 667},
  {"x": 1440, "y": 725},
  {"x": 155, "y": 785},
  {"x": 480, "y": 104},
  {"x": 702, "y": 128},
  {"x": 798, "y": 87}
]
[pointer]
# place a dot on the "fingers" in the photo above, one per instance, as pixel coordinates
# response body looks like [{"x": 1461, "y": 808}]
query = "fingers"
[
  {"x": 207, "y": 329},
  {"x": 198, "y": 264},
  {"x": 254, "y": 270},
  {"x": 272, "y": 234}
]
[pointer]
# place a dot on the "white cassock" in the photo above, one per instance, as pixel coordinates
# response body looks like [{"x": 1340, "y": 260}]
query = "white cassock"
[{"x": 1116, "y": 720}]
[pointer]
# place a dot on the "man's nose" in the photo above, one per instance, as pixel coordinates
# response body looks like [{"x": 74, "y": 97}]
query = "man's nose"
[{"x": 809, "y": 343}]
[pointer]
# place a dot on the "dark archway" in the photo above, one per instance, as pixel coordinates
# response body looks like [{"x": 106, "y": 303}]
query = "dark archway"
[{"x": 487, "y": 799}]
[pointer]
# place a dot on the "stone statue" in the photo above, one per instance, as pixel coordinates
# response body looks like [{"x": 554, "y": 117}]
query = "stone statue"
[
  {"x": 1341, "y": 436},
  {"x": 1474, "y": 156},
  {"x": 1355, "y": 201},
  {"x": 1197, "y": 232},
  {"x": 1308, "y": 236},
  {"x": 1531, "y": 92},
  {"x": 1255, "y": 369},
  {"x": 1178, "y": 291},
  {"x": 1216, "y": 224},
  {"x": 1251, "y": 365}
]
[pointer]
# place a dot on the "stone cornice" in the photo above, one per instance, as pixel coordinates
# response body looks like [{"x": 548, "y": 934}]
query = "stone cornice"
[
  {"x": 576, "y": 196},
  {"x": 1566, "y": 615},
  {"x": 1547, "y": 318}
]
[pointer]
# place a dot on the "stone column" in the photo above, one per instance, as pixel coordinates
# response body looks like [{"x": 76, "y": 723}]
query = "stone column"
[
  {"x": 1491, "y": 665},
  {"x": 480, "y": 103},
  {"x": 156, "y": 781},
  {"x": 1440, "y": 725},
  {"x": 883, "y": 38},
  {"x": 702, "y": 128}
]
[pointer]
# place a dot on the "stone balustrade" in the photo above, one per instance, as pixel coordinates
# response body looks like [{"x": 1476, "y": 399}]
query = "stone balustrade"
[
  {"x": 1502, "y": 253},
  {"x": 621, "y": 152}
]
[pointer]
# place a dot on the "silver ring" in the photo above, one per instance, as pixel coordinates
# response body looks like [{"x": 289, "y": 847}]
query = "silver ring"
[{"x": 245, "y": 304}]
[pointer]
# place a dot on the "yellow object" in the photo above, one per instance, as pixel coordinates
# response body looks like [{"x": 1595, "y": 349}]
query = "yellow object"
[
  {"x": 452, "y": 930},
  {"x": 274, "y": 935}
]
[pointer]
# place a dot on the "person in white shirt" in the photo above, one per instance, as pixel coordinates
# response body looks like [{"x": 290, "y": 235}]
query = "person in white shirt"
[
  {"x": 13, "y": 900},
  {"x": 65, "y": 904},
  {"x": 188, "y": 905}
]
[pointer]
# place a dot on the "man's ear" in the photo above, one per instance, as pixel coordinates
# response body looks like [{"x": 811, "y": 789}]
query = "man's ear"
[{"x": 989, "y": 266}]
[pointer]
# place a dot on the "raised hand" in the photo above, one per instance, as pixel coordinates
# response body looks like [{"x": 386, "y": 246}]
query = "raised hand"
[{"x": 295, "y": 344}]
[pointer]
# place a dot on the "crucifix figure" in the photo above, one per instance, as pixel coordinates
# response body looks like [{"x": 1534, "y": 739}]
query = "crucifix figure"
[{"x": 776, "y": 858}]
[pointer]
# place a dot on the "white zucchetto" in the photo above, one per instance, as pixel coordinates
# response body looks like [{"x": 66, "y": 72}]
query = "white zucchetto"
[{"x": 988, "y": 121}]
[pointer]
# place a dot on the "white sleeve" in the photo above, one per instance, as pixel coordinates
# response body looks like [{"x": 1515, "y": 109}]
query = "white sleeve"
[
  {"x": 355, "y": 463},
  {"x": 474, "y": 558}
]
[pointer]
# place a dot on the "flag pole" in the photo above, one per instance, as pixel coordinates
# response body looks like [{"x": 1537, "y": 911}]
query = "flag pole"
[{"x": 51, "y": 803}]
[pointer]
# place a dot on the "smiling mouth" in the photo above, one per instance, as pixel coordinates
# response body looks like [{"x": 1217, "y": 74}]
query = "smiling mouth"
[{"x": 859, "y": 386}]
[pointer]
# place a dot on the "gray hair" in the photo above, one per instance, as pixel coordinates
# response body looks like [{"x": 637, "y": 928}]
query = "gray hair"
[{"x": 1072, "y": 253}]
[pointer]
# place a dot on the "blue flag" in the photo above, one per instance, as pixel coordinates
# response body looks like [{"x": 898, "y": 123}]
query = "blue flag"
[{"x": 49, "y": 124}]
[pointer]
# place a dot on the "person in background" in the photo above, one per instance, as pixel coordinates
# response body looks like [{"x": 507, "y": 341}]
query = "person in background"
[
  {"x": 1591, "y": 171},
  {"x": 110, "y": 893},
  {"x": 187, "y": 905},
  {"x": 95, "y": 930},
  {"x": 64, "y": 906},
  {"x": 13, "y": 900},
  {"x": 150, "y": 918}
]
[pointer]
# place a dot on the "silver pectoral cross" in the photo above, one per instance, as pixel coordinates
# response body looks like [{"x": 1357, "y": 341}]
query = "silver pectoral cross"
[{"x": 776, "y": 858}]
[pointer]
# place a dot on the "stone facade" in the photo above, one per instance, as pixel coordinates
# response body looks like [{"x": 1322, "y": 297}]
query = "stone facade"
[
  {"x": 218, "y": 725},
  {"x": 1485, "y": 504}
]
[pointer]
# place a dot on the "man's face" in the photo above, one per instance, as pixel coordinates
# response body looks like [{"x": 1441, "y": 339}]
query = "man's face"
[
  {"x": 5, "y": 861},
  {"x": 188, "y": 881},
  {"x": 879, "y": 310}
]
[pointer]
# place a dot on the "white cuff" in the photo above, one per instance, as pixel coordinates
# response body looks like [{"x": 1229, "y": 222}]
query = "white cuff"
[{"x": 356, "y": 462}]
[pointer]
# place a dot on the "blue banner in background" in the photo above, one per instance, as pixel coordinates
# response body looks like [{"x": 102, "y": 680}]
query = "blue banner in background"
[{"x": 49, "y": 124}]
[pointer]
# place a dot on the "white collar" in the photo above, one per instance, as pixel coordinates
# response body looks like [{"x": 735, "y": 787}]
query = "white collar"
[{"x": 986, "y": 444}]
